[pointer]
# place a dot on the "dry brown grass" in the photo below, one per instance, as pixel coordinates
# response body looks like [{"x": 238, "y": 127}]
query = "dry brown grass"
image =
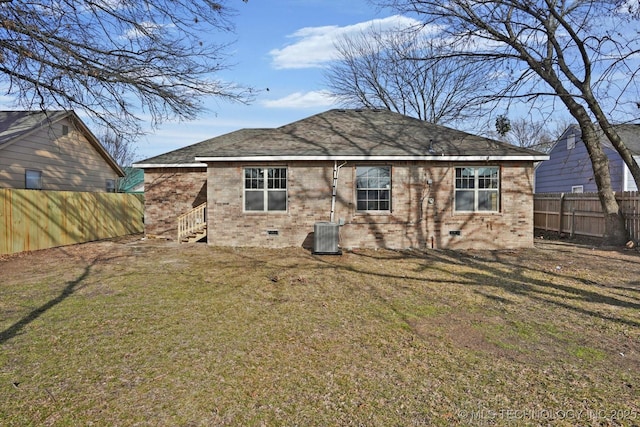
[{"x": 150, "y": 333}]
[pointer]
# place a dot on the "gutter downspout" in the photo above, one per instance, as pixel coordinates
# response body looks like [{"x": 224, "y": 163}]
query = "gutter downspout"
[{"x": 336, "y": 171}]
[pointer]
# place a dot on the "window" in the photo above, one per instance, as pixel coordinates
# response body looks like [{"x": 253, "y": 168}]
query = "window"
[
  {"x": 373, "y": 188},
  {"x": 571, "y": 141},
  {"x": 111, "y": 186},
  {"x": 33, "y": 180},
  {"x": 265, "y": 189},
  {"x": 577, "y": 189},
  {"x": 477, "y": 189}
]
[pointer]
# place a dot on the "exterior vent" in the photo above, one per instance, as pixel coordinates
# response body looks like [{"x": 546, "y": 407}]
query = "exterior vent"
[{"x": 325, "y": 238}]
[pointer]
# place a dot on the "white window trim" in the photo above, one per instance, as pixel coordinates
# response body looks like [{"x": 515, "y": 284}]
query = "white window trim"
[
  {"x": 380, "y": 211},
  {"x": 265, "y": 191},
  {"x": 477, "y": 190},
  {"x": 577, "y": 188}
]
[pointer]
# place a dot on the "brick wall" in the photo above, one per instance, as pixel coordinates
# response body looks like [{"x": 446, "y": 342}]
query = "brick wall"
[
  {"x": 422, "y": 214},
  {"x": 169, "y": 193}
]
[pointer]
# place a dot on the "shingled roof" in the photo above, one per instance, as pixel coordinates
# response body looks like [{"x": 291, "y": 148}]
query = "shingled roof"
[
  {"x": 16, "y": 124},
  {"x": 346, "y": 135},
  {"x": 630, "y": 135}
]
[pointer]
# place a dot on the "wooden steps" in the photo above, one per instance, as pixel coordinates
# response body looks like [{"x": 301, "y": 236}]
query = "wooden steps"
[
  {"x": 195, "y": 236},
  {"x": 192, "y": 226}
]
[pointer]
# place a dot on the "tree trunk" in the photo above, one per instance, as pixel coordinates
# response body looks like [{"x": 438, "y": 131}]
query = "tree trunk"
[
  {"x": 615, "y": 232},
  {"x": 613, "y": 137}
]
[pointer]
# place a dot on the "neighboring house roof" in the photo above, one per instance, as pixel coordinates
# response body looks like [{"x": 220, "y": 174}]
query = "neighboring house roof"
[
  {"x": 630, "y": 135},
  {"x": 16, "y": 125},
  {"x": 346, "y": 135}
]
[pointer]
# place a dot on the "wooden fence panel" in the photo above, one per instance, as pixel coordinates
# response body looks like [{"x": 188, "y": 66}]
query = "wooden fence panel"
[
  {"x": 581, "y": 213},
  {"x": 546, "y": 211},
  {"x": 32, "y": 220},
  {"x": 630, "y": 205}
]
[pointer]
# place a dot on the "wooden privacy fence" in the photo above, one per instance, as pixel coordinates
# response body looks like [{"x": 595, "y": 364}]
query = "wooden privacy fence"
[
  {"x": 581, "y": 213},
  {"x": 31, "y": 220}
]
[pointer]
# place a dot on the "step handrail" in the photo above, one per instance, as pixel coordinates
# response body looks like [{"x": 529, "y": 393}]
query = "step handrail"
[{"x": 193, "y": 221}]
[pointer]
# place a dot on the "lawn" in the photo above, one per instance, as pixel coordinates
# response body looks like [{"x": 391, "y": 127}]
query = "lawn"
[{"x": 134, "y": 332}]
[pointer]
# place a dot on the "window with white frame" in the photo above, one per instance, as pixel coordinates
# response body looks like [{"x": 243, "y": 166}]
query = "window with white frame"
[
  {"x": 33, "y": 179},
  {"x": 265, "y": 189},
  {"x": 477, "y": 189},
  {"x": 577, "y": 189},
  {"x": 373, "y": 188}
]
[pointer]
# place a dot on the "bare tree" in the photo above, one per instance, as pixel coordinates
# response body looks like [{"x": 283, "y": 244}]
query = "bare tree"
[
  {"x": 387, "y": 69},
  {"x": 580, "y": 52},
  {"x": 121, "y": 149},
  {"x": 115, "y": 60},
  {"x": 123, "y": 152}
]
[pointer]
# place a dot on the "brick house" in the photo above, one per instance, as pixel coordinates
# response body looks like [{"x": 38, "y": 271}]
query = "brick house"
[{"x": 388, "y": 180}]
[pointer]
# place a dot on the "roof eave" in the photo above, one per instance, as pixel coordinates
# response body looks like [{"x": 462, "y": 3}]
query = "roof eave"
[
  {"x": 441, "y": 158},
  {"x": 168, "y": 165},
  {"x": 203, "y": 160}
]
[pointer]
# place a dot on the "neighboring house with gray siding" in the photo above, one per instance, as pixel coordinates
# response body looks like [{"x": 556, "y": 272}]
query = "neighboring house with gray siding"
[
  {"x": 389, "y": 180},
  {"x": 569, "y": 166},
  {"x": 53, "y": 150}
]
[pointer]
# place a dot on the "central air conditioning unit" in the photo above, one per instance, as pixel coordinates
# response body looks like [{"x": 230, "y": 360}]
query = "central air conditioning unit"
[{"x": 326, "y": 238}]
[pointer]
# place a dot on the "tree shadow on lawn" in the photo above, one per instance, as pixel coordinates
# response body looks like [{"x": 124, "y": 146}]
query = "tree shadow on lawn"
[
  {"x": 69, "y": 289},
  {"x": 494, "y": 269},
  {"x": 517, "y": 282}
]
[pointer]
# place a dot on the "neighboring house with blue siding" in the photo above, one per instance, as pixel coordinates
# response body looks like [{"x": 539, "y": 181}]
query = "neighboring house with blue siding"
[{"x": 569, "y": 170}]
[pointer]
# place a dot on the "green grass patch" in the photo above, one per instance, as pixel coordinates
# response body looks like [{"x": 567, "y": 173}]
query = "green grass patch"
[{"x": 589, "y": 354}]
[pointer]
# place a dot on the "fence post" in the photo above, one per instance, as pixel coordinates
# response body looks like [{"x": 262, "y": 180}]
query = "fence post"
[{"x": 561, "y": 213}]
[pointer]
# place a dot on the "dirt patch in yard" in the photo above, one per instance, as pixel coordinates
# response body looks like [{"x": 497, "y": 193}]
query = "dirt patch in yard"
[{"x": 553, "y": 253}]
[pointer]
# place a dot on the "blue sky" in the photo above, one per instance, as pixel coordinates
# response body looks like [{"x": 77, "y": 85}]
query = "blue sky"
[
  {"x": 282, "y": 45},
  {"x": 285, "y": 46}
]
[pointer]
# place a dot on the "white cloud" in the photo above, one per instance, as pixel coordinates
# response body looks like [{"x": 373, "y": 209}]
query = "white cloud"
[
  {"x": 144, "y": 29},
  {"x": 313, "y": 99},
  {"x": 315, "y": 46},
  {"x": 629, "y": 6}
]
